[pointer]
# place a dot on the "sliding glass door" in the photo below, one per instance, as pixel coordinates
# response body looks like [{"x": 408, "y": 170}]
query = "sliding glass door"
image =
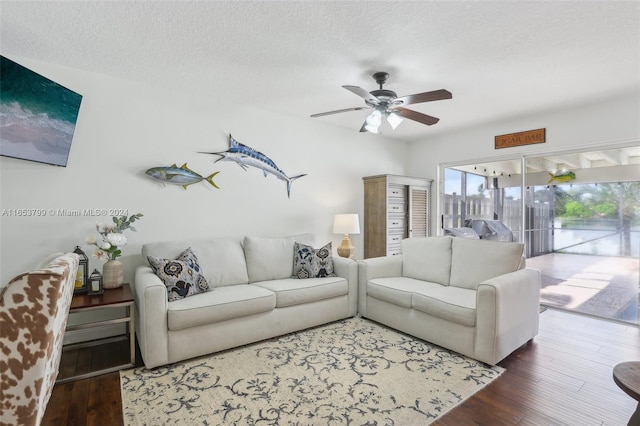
[
  {"x": 577, "y": 213},
  {"x": 484, "y": 203},
  {"x": 594, "y": 219}
]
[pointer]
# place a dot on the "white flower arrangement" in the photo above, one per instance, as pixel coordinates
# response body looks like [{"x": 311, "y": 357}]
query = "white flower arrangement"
[{"x": 112, "y": 237}]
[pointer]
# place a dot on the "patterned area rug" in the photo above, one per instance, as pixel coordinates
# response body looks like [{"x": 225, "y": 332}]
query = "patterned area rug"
[{"x": 349, "y": 372}]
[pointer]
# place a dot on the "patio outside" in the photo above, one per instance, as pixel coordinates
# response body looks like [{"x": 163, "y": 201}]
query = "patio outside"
[
  {"x": 584, "y": 238},
  {"x": 592, "y": 267},
  {"x": 602, "y": 286}
]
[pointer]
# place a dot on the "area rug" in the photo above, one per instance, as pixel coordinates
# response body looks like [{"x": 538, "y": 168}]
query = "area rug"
[{"x": 351, "y": 372}]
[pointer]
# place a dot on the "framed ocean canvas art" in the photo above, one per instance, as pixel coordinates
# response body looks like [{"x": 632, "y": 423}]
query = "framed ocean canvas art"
[{"x": 37, "y": 115}]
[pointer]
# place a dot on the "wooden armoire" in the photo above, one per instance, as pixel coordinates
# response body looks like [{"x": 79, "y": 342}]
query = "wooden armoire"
[{"x": 395, "y": 207}]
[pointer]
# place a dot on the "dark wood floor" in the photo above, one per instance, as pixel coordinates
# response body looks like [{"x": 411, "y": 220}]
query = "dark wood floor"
[{"x": 564, "y": 377}]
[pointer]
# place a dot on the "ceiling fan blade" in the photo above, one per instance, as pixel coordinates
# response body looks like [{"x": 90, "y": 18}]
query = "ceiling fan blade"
[
  {"x": 436, "y": 95},
  {"x": 417, "y": 116},
  {"x": 363, "y": 128},
  {"x": 363, "y": 94},
  {"x": 338, "y": 111}
]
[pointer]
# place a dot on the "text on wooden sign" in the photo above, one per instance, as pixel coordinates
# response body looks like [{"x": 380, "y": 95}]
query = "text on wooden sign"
[{"x": 529, "y": 137}]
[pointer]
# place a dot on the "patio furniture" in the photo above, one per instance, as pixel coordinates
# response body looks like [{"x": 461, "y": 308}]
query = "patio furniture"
[{"x": 627, "y": 377}]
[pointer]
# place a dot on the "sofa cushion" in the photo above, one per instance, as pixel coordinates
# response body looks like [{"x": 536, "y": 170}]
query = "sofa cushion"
[
  {"x": 450, "y": 303},
  {"x": 291, "y": 291},
  {"x": 225, "y": 303},
  {"x": 312, "y": 263},
  {"x": 397, "y": 290},
  {"x": 221, "y": 259},
  {"x": 427, "y": 258},
  {"x": 271, "y": 258},
  {"x": 474, "y": 261},
  {"x": 182, "y": 276}
]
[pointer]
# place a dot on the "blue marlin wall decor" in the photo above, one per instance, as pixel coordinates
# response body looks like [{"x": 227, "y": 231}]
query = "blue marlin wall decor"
[{"x": 246, "y": 157}]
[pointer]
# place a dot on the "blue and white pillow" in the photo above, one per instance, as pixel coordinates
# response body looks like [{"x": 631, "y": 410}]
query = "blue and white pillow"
[
  {"x": 309, "y": 262},
  {"x": 182, "y": 276}
]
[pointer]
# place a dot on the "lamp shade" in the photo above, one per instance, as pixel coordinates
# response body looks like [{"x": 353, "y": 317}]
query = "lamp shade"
[
  {"x": 394, "y": 119},
  {"x": 373, "y": 121},
  {"x": 346, "y": 224}
]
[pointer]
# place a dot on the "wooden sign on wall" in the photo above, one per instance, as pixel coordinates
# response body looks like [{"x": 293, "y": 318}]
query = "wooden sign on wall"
[{"x": 529, "y": 137}]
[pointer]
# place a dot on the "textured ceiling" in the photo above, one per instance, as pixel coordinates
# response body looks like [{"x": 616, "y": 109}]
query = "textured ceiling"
[{"x": 499, "y": 59}]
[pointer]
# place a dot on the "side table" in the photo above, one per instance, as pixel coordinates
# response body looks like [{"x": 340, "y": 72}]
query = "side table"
[
  {"x": 627, "y": 377},
  {"x": 111, "y": 299}
]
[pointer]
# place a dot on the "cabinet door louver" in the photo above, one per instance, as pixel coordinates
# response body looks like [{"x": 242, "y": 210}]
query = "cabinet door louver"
[
  {"x": 395, "y": 207},
  {"x": 418, "y": 211}
]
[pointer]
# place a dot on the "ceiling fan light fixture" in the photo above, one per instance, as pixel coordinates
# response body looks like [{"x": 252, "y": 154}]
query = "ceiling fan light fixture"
[
  {"x": 374, "y": 121},
  {"x": 372, "y": 129},
  {"x": 394, "y": 119},
  {"x": 387, "y": 106}
]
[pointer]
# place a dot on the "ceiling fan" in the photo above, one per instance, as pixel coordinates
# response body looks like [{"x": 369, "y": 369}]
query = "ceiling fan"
[{"x": 387, "y": 106}]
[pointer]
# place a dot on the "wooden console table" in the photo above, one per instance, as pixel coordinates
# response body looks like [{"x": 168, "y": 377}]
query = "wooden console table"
[
  {"x": 627, "y": 377},
  {"x": 111, "y": 299}
]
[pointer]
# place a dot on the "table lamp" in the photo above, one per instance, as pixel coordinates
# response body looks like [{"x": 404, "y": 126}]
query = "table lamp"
[{"x": 346, "y": 224}]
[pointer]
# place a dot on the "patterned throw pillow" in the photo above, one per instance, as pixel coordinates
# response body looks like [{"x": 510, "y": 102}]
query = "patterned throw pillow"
[
  {"x": 182, "y": 276},
  {"x": 312, "y": 263}
]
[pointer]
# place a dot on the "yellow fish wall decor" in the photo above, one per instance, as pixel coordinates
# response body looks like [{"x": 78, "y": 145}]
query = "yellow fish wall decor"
[{"x": 562, "y": 177}]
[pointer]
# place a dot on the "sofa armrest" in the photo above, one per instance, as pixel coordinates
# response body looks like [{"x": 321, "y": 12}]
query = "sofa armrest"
[
  {"x": 375, "y": 267},
  {"x": 508, "y": 311},
  {"x": 341, "y": 266},
  {"x": 347, "y": 268},
  {"x": 380, "y": 267},
  {"x": 150, "y": 295}
]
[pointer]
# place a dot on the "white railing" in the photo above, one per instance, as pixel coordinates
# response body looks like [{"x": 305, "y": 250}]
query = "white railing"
[{"x": 456, "y": 210}]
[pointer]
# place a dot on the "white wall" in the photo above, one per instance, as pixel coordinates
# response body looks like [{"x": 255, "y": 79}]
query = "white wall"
[
  {"x": 125, "y": 128},
  {"x": 612, "y": 122}
]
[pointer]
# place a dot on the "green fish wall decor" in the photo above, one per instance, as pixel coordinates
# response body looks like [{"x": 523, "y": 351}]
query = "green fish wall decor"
[{"x": 564, "y": 176}]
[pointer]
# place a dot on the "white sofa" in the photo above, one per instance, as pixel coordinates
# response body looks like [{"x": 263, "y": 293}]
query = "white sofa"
[
  {"x": 253, "y": 297},
  {"x": 471, "y": 296}
]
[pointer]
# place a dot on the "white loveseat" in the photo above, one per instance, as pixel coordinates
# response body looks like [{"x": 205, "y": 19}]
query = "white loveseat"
[
  {"x": 471, "y": 296},
  {"x": 253, "y": 297}
]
